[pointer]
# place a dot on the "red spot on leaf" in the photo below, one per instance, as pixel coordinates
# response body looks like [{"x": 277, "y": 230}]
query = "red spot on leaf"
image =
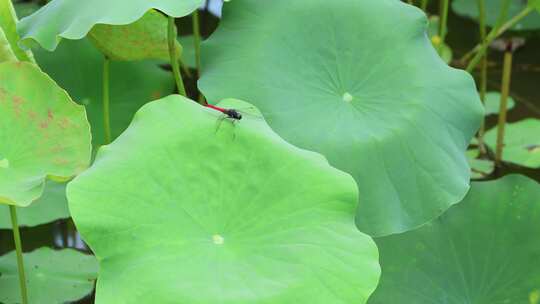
[
  {"x": 60, "y": 161},
  {"x": 32, "y": 115},
  {"x": 3, "y": 95},
  {"x": 50, "y": 114},
  {"x": 155, "y": 95},
  {"x": 17, "y": 102},
  {"x": 64, "y": 123}
]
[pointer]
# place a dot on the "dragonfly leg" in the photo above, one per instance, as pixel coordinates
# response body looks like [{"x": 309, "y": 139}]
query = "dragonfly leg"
[{"x": 218, "y": 122}]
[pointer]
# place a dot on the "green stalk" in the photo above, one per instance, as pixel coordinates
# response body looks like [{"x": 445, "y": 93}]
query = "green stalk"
[
  {"x": 505, "y": 91},
  {"x": 106, "y": 98},
  {"x": 423, "y": 5},
  {"x": 173, "y": 53},
  {"x": 443, "y": 30},
  {"x": 18, "y": 248},
  {"x": 197, "y": 40},
  {"x": 497, "y": 31},
  {"x": 483, "y": 73}
]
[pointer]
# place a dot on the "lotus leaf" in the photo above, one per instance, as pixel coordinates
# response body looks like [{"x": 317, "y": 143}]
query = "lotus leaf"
[
  {"x": 493, "y": 103},
  {"x": 146, "y": 38},
  {"x": 51, "y": 206},
  {"x": 6, "y": 53},
  {"x": 74, "y": 19},
  {"x": 359, "y": 82},
  {"x": 24, "y": 9},
  {"x": 51, "y": 276},
  {"x": 469, "y": 8},
  {"x": 188, "y": 51},
  {"x": 521, "y": 142},
  {"x": 205, "y": 210},
  {"x": 8, "y": 21},
  {"x": 42, "y": 133},
  {"x": 483, "y": 250},
  {"x": 480, "y": 168},
  {"x": 76, "y": 66},
  {"x": 535, "y": 4}
]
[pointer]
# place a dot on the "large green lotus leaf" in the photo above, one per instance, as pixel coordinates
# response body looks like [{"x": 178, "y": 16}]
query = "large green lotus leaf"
[
  {"x": 74, "y": 19},
  {"x": 24, "y": 9},
  {"x": 6, "y": 53},
  {"x": 201, "y": 210},
  {"x": 42, "y": 132},
  {"x": 493, "y": 103},
  {"x": 77, "y": 66},
  {"x": 469, "y": 8},
  {"x": 359, "y": 82},
  {"x": 8, "y": 21},
  {"x": 521, "y": 142},
  {"x": 484, "y": 250},
  {"x": 188, "y": 51},
  {"x": 146, "y": 38},
  {"x": 51, "y": 206},
  {"x": 51, "y": 276}
]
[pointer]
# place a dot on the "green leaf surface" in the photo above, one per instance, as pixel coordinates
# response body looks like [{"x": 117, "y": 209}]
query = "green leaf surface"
[
  {"x": 51, "y": 276},
  {"x": 188, "y": 51},
  {"x": 469, "y": 9},
  {"x": 359, "y": 82},
  {"x": 42, "y": 133},
  {"x": 204, "y": 210},
  {"x": 51, "y": 206},
  {"x": 535, "y": 4},
  {"x": 484, "y": 250},
  {"x": 480, "y": 168},
  {"x": 8, "y": 21},
  {"x": 146, "y": 38},
  {"x": 74, "y": 19},
  {"x": 6, "y": 53},
  {"x": 521, "y": 142},
  {"x": 77, "y": 67},
  {"x": 493, "y": 103},
  {"x": 24, "y": 9}
]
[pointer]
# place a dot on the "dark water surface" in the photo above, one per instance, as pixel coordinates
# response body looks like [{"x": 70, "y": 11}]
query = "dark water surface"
[{"x": 462, "y": 37}]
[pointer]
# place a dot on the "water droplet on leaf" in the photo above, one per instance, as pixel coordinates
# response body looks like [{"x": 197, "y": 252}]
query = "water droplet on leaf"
[
  {"x": 218, "y": 239},
  {"x": 347, "y": 97}
]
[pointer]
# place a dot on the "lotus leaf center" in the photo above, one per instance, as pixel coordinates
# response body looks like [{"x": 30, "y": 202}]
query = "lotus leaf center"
[
  {"x": 347, "y": 97},
  {"x": 218, "y": 239}
]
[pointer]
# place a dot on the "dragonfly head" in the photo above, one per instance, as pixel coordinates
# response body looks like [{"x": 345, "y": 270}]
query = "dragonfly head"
[{"x": 234, "y": 114}]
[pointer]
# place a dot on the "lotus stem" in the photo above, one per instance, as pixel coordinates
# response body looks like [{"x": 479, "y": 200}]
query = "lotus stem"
[
  {"x": 197, "y": 45},
  {"x": 197, "y": 41},
  {"x": 106, "y": 99},
  {"x": 505, "y": 91},
  {"x": 173, "y": 53},
  {"x": 443, "y": 26},
  {"x": 483, "y": 73},
  {"x": 18, "y": 249},
  {"x": 423, "y": 5},
  {"x": 497, "y": 31}
]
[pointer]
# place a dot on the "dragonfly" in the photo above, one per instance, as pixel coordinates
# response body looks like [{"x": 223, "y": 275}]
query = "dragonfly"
[
  {"x": 231, "y": 113},
  {"x": 234, "y": 115}
]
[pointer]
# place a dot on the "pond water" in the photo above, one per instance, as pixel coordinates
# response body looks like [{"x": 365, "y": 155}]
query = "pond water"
[{"x": 462, "y": 37}]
